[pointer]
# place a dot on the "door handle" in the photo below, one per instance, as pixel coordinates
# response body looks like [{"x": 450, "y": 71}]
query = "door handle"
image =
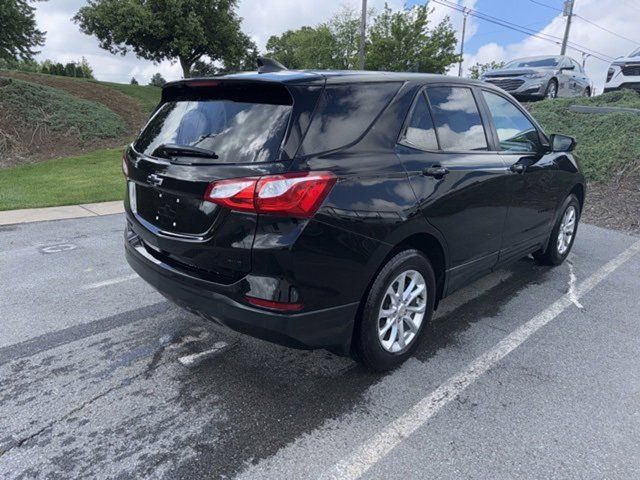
[
  {"x": 437, "y": 171},
  {"x": 517, "y": 168}
]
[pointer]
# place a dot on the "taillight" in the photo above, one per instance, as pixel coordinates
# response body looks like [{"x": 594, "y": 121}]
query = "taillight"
[
  {"x": 125, "y": 165},
  {"x": 297, "y": 194},
  {"x": 280, "y": 306}
]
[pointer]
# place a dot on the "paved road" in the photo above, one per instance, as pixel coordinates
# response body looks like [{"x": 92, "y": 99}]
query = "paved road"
[{"x": 531, "y": 372}]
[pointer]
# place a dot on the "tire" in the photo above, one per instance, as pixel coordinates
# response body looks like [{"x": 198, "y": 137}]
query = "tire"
[
  {"x": 587, "y": 92},
  {"x": 551, "y": 91},
  {"x": 372, "y": 345},
  {"x": 558, "y": 250}
]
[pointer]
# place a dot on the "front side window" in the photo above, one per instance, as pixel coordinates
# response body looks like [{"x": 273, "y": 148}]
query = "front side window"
[
  {"x": 516, "y": 133},
  {"x": 457, "y": 119},
  {"x": 420, "y": 132}
]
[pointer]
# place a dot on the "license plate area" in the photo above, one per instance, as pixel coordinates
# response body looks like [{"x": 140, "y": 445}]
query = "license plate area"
[{"x": 174, "y": 213}]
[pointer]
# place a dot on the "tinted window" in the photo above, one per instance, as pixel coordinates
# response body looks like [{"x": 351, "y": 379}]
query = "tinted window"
[
  {"x": 516, "y": 133},
  {"x": 238, "y": 132},
  {"x": 457, "y": 119},
  {"x": 344, "y": 113},
  {"x": 420, "y": 132}
]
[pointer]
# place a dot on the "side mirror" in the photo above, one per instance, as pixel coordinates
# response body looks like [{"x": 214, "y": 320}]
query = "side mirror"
[
  {"x": 568, "y": 67},
  {"x": 562, "y": 143}
]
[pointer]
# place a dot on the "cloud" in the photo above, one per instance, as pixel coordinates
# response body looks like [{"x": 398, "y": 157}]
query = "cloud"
[{"x": 613, "y": 15}]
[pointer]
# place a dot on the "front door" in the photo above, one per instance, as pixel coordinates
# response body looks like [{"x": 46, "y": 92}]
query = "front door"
[
  {"x": 531, "y": 196},
  {"x": 460, "y": 185}
]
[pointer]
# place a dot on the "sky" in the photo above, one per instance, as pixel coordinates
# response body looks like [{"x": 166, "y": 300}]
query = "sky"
[{"x": 484, "y": 41}]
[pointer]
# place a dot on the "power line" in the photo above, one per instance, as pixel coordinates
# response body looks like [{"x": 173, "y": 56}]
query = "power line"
[
  {"x": 605, "y": 29},
  {"x": 545, "y": 5},
  {"x": 588, "y": 21},
  {"x": 519, "y": 28}
]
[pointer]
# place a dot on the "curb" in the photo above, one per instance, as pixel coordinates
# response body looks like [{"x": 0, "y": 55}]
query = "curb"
[{"x": 29, "y": 215}]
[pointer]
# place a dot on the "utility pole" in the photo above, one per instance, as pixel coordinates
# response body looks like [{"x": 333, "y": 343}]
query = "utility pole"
[
  {"x": 363, "y": 34},
  {"x": 567, "y": 12},
  {"x": 464, "y": 27}
]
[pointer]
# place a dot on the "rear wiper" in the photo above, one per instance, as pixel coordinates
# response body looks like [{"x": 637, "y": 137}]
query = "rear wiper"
[{"x": 174, "y": 150}]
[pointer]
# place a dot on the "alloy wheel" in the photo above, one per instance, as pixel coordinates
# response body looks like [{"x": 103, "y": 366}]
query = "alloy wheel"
[
  {"x": 552, "y": 90},
  {"x": 402, "y": 311},
  {"x": 567, "y": 229}
]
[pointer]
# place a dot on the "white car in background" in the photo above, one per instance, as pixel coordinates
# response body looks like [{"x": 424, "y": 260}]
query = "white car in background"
[{"x": 624, "y": 72}]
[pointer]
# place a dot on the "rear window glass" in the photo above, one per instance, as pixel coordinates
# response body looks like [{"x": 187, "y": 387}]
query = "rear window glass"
[
  {"x": 457, "y": 119},
  {"x": 234, "y": 131},
  {"x": 344, "y": 113}
]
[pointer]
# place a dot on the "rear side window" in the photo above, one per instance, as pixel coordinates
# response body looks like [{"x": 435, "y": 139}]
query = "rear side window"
[
  {"x": 515, "y": 131},
  {"x": 237, "y": 129},
  {"x": 457, "y": 119},
  {"x": 344, "y": 113},
  {"x": 420, "y": 132}
]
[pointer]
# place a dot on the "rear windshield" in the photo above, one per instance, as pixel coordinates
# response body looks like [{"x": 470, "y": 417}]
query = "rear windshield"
[{"x": 240, "y": 129}]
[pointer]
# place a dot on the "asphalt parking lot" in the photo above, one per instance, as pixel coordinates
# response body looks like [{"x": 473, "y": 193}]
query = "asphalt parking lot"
[{"x": 531, "y": 372}]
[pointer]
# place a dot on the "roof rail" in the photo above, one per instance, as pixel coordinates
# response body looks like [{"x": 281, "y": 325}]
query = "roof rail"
[{"x": 268, "y": 65}]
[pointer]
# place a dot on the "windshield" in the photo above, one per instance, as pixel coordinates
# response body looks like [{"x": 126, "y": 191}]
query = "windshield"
[
  {"x": 635, "y": 53},
  {"x": 534, "y": 62},
  {"x": 231, "y": 131}
]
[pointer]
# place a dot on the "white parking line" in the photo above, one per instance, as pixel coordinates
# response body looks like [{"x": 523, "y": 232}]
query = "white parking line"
[
  {"x": 189, "y": 360},
  {"x": 377, "y": 447},
  {"x": 113, "y": 281}
]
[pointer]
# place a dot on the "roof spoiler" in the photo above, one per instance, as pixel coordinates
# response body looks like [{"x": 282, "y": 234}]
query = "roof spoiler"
[{"x": 269, "y": 65}]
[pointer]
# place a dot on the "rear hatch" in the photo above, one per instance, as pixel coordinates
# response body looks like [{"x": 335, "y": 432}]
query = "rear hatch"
[{"x": 200, "y": 133}]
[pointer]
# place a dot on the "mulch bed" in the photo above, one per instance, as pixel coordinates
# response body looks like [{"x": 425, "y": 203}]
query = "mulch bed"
[{"x": 615, "y": 204}]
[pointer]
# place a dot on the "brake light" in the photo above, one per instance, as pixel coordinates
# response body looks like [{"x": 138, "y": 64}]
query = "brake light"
[
  {"x": 297, "y": 194},
  {"x": 281, "y": 306},
  {"x": 125, "y": 165}
]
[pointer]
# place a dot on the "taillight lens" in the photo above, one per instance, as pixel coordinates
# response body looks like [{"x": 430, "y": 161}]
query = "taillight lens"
[
  {"x": 125, "y": 165},
  {"x": 297, "y": 194},
  {"x": 280, "y": 306}
]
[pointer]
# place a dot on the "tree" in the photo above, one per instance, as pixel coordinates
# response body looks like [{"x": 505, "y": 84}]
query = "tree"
[
  {"x": 177, "y": 30},
  {"x": 18, "y": 33},
  {"x": 157, "y": 80},
  {"x": 403, "y": 41},
  {"x": 306, "y": 47},
  {"x": 476, "y": 71},
  {"x": 70, "y": 69},
  {"x": 133, "y": 81},
  {"x": 332, "y": 45},
  {"x": 87, "y": 71}
]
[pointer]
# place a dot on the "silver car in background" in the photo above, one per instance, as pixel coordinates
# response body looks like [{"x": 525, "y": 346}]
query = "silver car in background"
[{"x": 539, "y": 77}]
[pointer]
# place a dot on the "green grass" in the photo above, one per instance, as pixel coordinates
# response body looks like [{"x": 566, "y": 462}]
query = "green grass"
[
  {"x": 29, "y": 105},
  {"x": 607, "y": 143},
  {"x": 148, "y": 96},
  {"x": 94, "y": 177}
]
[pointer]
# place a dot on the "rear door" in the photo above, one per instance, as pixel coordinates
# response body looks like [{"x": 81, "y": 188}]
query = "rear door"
[
  {"x": 532, "y": 192},
  {"x": 203, "y": 132},
  {"x": 459, "y": 182}
]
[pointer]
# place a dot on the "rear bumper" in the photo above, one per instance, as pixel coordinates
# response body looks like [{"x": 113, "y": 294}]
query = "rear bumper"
[{"x": 329, "y": 328}]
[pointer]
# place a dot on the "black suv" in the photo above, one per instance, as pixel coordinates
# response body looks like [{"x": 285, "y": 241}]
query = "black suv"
[{"x": 335, "y": 209}]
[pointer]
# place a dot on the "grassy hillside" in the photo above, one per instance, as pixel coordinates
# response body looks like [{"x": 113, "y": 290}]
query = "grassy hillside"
[
  {"x": 147, "y": 95},
  {"x": 607, "y": 143},
  {"x": 38, "y": 121}
]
